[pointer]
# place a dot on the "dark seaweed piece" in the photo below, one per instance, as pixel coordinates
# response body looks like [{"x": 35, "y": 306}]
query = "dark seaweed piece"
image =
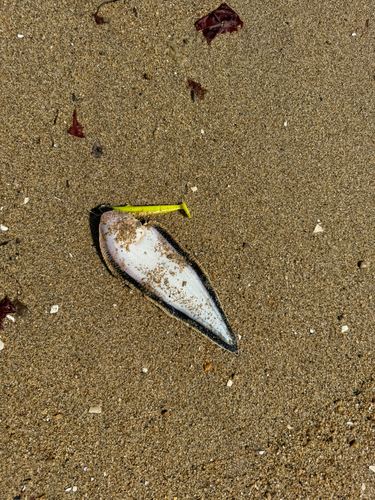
[
  {"x": 97, "y": 150},
  {"x": 76, "y": 129},
  {"x": 197, "y": 88},
  {"x": 100, "y": 19},
  {"x": 6, "y": 307},
  {"x": 221, "y": 20}
]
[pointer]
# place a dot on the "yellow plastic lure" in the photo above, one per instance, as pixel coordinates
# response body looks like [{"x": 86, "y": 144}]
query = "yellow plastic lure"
[{"x": 153, "y": 209}]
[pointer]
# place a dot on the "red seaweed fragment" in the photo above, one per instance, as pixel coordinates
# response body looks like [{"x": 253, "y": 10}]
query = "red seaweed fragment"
[
  {"x": 6, "y": 307},
  {"x": 76, "y": 129},
  {"x": 221, "y": 20},
  {"x": 197, "y": 88}
]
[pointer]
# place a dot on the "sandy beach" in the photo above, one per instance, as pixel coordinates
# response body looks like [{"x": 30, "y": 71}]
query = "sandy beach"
[{"x": 108, "y": 398}]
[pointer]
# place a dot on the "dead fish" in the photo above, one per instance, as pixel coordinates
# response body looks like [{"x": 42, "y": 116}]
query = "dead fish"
[{"x": 149, "y": 259}]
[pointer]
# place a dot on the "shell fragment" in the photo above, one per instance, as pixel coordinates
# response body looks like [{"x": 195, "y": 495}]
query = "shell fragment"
[{"x": 148, "y": 258}]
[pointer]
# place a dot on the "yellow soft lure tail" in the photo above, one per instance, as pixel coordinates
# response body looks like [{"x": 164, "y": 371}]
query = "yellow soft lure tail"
[{"x": 153, "y": 209}]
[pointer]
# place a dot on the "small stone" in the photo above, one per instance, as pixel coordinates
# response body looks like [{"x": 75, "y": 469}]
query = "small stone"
[
  {"x": 1, "y": 345},
  {"x": 95, "y": 409},
  {"x": 58, "y": 416},
  {"x": 363, "y": 264},
  {"x": 74, "y": 488},
  {"x": 261, "y": 452},
  {"x": 194, "y": 189},
  {"x": 25, "y": 201},
  {"x": 318, "y": 229},
  {"x": 68, "y": 489},
  {"x": 372, "y": 468},
  {"x": 3, "y": 228},
  {"x": 344, "y": 329},
  {"x": 207, "y": 367},
  {"x": 20, "y": 36},
  {"x": 54, "y": 309},
  {"x": 97, "y": 150},
  {"x": 144, "y": 370},
  {"x": 229, "y": 383}
]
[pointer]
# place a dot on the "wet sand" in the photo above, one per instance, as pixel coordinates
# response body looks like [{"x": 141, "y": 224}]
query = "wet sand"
[{"x": 284, "y": 138}]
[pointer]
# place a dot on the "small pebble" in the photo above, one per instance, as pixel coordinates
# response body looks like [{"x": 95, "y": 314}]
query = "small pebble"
[
  {"x": 68, "y": 489},
  {"x": 95, "y": 409},
  {"x": 262, "y": 452},
  {"x": 144, "y": 370},
  {"x": 8, "y": 316},
  {"x": 344, "y": 328},
  {"x": 372, "y": 468},
  {"x": 1, "y": 345},
  {"x": 285, "y": 124},
  {"x": 54, "y": 309},
  {"x": 3, "y": 228},
  {"x": 318, "y": 229},
  {"x": 362, "y": 264},
  {"x": 20, "y": 36},
  {"x": 207, "y": 367},
  {"x": 202, "y": 131},
  {"x": 25, "y": 201},
  {"x": 194, "y": 189},
  {"x": 74, "y": 488},
  {"x": 229, "y": 383}
]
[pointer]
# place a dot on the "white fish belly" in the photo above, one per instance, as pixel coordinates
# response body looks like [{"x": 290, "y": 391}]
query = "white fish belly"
[{"x": 154, "y": 263}]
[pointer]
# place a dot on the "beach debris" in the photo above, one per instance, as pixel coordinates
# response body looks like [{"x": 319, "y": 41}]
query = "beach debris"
[
  {"x": 144, "y": 370},
  {"x": 3, "y": 228},
  {"x": 54, "y": 309},
  {"x": 6, "y": 307},
  {"x": 76, "y": 129},
  {"x": 372, "y": 468},
  {"x": 26, "y": 200},
  {"x": 344, "y": 329},
  {"x": 95, "y": 409},
  {"x": 150, "y": 260},
  {"x": 229, "y": 383},
  {"x": 221, "y": 20},
  {"x": 363, "y": 264},
  {"x": 97, "y": 150},
  {"x": 141, "y": 211},
  {"x": 194, "y": 189},
  {"x": 20, "y": 36},
  {"x": 318, "y": 229},
  {"x": 99, "y": 19},
  {"x": 197, "y": 89},
  {"x": 1, "y": 345},
  {"x": 74, "y": 489}
]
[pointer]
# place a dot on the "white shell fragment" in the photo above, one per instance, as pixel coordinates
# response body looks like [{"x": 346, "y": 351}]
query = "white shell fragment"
[
  {"x": 229, "y": 383},
  {"x": 318, "y": 229},
  {"x": 344, "y": 329},
  {"x": 1, "y": 345},
  {"x": 95, "y": 409},
  {"x": 3, "y": 228},
  {"x": 54, "y": 309},
  {"x": 372, "y": 468},
  {"x": 147, "y": 257}
]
